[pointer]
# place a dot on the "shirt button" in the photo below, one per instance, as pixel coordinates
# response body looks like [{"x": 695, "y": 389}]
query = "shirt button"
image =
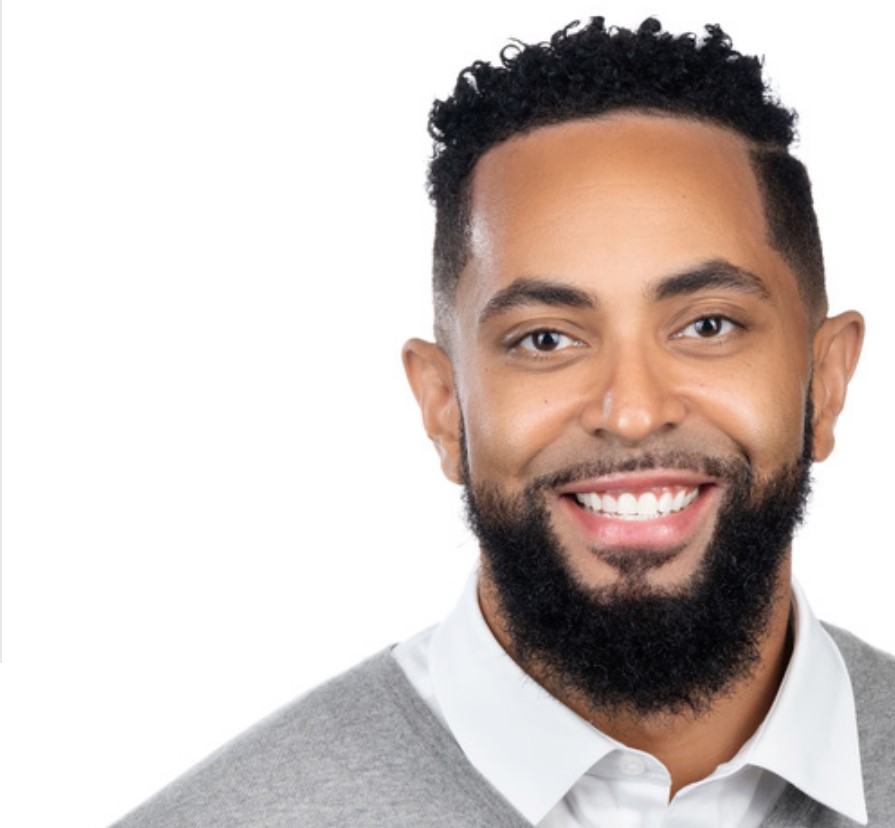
[{"x": 632, "y": 765}]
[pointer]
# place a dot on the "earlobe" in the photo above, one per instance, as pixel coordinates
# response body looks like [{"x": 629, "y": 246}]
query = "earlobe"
[
  {"x": 837, "y": 346},
  {"x": 431, "y": 378}
]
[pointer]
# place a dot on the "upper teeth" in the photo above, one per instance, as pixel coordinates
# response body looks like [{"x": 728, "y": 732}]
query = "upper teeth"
[{"x": 646, "y": 506}]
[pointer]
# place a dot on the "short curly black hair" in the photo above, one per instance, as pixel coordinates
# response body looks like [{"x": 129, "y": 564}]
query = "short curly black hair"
[{"x": 585, "y": 71}]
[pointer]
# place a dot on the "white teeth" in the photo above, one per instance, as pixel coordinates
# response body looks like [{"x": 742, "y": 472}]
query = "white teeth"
[
  {"x": 666, "y": 501},
  {"x": 647, "y": 506},
  {"x": 627, "y": 505},
  {"x": 591, "y": 500}
]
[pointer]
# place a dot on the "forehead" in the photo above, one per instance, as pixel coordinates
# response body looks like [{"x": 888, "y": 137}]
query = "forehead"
[{"x": 622, "y": 199}]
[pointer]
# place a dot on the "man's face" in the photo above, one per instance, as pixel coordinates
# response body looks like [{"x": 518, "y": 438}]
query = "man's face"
[
  {"x": 627, "y": 392},
  {"x": 622, "y": 307}
]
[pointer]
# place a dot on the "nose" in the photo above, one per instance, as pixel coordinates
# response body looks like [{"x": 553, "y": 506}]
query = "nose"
[{"x": 634, "y": 394}]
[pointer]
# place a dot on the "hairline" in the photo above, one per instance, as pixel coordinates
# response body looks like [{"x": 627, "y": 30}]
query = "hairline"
[{"x": 444, "y": 299}]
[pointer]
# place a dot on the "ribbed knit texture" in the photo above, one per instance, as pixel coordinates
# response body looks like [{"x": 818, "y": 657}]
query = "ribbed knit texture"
[{"x": 364, "y": 751}]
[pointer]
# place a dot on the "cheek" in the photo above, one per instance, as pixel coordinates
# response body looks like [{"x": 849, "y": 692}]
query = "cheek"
[
  {"x": 764, "y": 417},
  {"x": 512, "y": 424}
]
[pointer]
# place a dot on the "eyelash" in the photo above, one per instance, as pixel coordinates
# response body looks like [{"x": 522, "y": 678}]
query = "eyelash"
[
  {"x": 716, "y": 317},
  {"x": 523, "y": 345},
  {"x": 518, "y": 344},
  {"x": 727, "y": 326}
]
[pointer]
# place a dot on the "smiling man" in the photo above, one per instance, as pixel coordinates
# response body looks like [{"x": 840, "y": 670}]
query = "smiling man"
[{"x": 634, "y": 369}]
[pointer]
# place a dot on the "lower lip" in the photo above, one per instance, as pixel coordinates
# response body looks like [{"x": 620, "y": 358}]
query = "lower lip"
[{"x": 662, "y": 533}]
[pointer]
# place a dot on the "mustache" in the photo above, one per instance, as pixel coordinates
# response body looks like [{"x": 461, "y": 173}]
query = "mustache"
[{"x": 721, "y": 468}]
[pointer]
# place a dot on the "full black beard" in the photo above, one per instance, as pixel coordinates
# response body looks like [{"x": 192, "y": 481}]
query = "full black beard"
[{"x": 631, "y": 648}]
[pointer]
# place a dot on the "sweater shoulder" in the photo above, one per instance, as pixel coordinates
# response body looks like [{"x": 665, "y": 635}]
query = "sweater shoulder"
[
  {"x": 872, "y": 674},
  {"x": 361, "y": 749}
]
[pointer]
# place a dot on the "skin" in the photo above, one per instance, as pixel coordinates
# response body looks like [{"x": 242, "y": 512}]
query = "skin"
[{"x": 671, "y": 324}]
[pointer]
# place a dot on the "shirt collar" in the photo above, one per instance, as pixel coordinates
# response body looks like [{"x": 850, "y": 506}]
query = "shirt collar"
[
  {"x": 533, "y": 749},
  {"x": 526, "y": 743},
  {"x": 810, "y": 735}
]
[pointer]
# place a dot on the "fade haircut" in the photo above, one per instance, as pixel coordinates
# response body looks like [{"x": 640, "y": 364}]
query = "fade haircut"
[{"x": 584, "y": 72}]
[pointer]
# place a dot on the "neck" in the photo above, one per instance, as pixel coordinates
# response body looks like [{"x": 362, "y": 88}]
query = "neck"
[{"x": 690, "y": 745}]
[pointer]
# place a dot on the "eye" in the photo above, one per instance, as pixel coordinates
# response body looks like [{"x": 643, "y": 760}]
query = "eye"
[
  {"x": 545, "y": 341},
  {"x": 708, "y": 327}
]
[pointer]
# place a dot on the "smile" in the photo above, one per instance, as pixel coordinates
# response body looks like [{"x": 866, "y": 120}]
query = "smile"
[
  {"x": 644, "y": 505},
  {"x": 659, "y": 509}
]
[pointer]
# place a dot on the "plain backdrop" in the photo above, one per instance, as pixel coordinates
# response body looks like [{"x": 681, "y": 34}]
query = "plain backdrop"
[{"x": 216, "y": 239}]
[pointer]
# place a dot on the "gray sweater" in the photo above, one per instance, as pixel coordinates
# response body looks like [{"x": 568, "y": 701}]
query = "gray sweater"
[{"x": 364, "y": 751}]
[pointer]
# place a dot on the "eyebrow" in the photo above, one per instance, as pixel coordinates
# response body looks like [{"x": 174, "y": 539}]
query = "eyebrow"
[
  {"x": 530, "y": 291},
  {"x": 717, "y": 273}
]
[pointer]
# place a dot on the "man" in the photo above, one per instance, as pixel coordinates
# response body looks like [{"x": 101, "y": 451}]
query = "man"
[{"x": 634, "y": 368}]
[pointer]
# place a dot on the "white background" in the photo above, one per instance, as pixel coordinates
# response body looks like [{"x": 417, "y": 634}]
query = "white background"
[{"x": 217, "y": 491}]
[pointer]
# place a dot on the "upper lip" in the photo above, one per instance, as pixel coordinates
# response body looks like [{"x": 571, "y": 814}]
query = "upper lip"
[{"x": 638, "y": 481}]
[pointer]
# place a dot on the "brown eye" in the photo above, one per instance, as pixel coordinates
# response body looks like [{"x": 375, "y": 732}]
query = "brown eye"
[
  {"x": 545, "y": 341},
  {"x": 709, "y": 327}
]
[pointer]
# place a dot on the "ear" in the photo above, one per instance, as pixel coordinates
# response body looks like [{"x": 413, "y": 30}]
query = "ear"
[
  {"x": 431, "y": 378},
  {"x": 837, "y": 346}
]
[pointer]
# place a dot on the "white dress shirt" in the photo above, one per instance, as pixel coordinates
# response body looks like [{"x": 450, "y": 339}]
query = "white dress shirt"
[{"x": 559, "y": 771}]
